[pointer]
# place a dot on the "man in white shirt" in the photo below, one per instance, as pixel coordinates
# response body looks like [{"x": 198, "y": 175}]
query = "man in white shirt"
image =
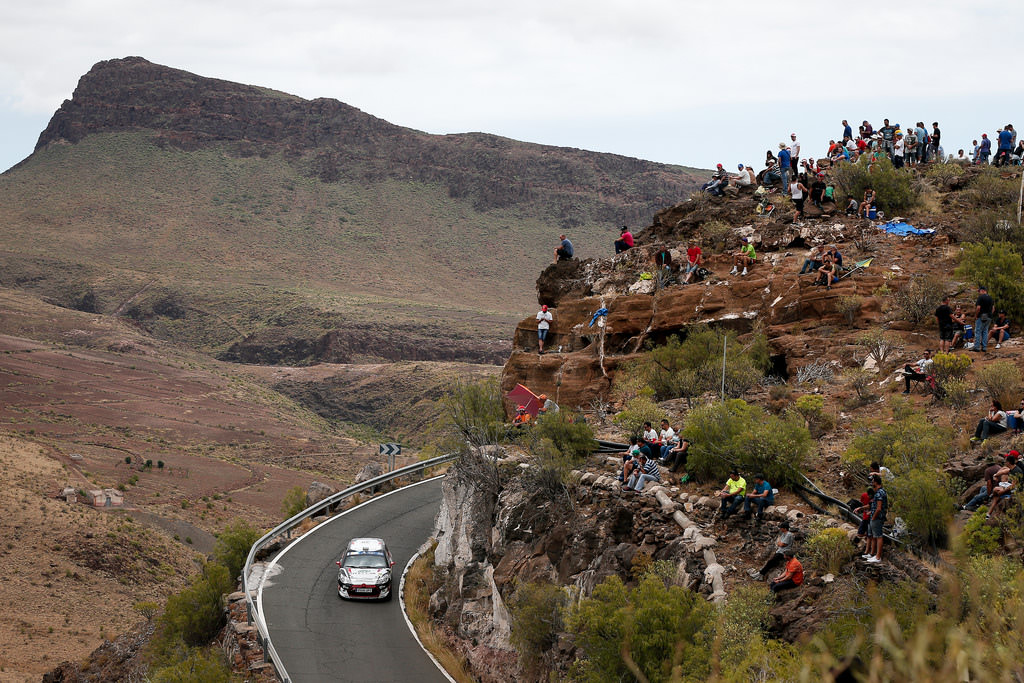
[
  {"x": 918, "y": 372},
  {"x": 667, "y": 436},
  {"x": 544, "y": 319},
  {"x": 745, "y": 176},
  {"x": 794, "y": 147},
  {"x": 897, "y": 151}
]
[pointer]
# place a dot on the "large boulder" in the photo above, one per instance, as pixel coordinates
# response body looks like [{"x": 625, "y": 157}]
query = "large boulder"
[{"x": 318, "y": 491}]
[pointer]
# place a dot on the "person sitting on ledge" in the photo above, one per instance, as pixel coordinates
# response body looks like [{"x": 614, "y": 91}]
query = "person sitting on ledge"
[
  {"x": 743, "y": 258},
  {"x": 993, "y": 423},
  {"x": 645, "y": 471},
  {"x": 813, "y": 261},
  {"x": 625, "y": 241},
  {"x": 792, "y": 577},
  {"x": 564, "y": 251},
  {"x": 784, "y": 541},
  {"x": 827, "y": 272},
  {"x": 919, "y": 371},
  {"x": 761, "y": 497},
  {"x": 732, "y": 494},
  {"x": 869, "y": 203}
]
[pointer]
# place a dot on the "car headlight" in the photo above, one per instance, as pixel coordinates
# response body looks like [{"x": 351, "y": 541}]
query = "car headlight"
[{"x": 383, "y": 578}]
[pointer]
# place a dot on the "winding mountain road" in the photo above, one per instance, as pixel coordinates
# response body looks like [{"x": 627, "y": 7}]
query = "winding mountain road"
[{"x": 321, "y": 637}]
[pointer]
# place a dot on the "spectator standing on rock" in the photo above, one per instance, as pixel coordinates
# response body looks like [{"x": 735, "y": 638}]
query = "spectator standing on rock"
[
  {"x": 879, "y": 509},
  {"x": 947, "y": 329},
  {"x": 694, "y": 260},
  {"x": 798, "y": 192},
  {"x": 984, "y": 149},
  {"x": 865, "y": 517},
  {"x": 760, "y": 497},
  {"x": 793, "y": 576},
  {"x": 1005, "y": 146},
  {"x": 847, "y": 131},
  {"x": 646, "y": 470},
  {"x": 783, "y": 542},
  {"x": 1000, "y": 329},
  {"x": 544, "y": 319},
  {"x": 888, "y": 137},
  {"x": 732, "y": 493},
  {"x": 982, "y": 319},
  {"x": 936, "y": 136},
  {"x": 785, "y": 163},
  {"x": 923, "y": 142},
  {"x": 564, "y": 251},
  {"x": 993, "y": 423},
  {"x": 625, "y": 241},
  {"x": 794, "y": 150},
  {"x": 910, "y": 149},
  {"x": 898, "y": 151}
]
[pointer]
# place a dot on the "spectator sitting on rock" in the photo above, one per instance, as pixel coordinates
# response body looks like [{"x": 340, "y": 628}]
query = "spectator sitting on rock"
[
  {"x": 676, "y": 459},
  {"x": 745, "y": 177},
  {"x": 962, "y": 158},
  {"x": 993, "y": 423},
  {"x": 783, "y": 542},
  {"x": 959, "y": 324},
  {"x": 837, "y": 257},
  {"x": 694, "y": 260},
  {"x": 817, "y": 191},
  {"x": 884, "y": 472},
  {"x": 1001, "y": 495},
  {"x": 564, "y": 250},
  {"x": 666, "y": 435},
  {"x": 992, "y": 473},
  {"x": 718, "y": 182},
  {"x": 944, "y": 317},
  {"x": 547, "y": 405},
  {"x": 761, "y": 497},
  {"x": 625, "y": 241},
  {"x": 743, "y": 258},
  {"x": 879, "y": 508},
  {"x": 632, "y": 458},
  {"x": 851, "y": 207},
  {"x": 918, "y": 371},
  {"x": 522, "y": 418},
  {"x": 827, "y": 272},
  {"x": 645, "y": 471},
  {"x": 867, "y": 204},
  {"x": 649, "y": 435},
  {"x": 732, "y": 494},
  {"x": 792, "y": 577},
  {"x": 544, "y": 319},
  {"x": 1000, "y": 329},
  {"x": 813, "y": 261}
]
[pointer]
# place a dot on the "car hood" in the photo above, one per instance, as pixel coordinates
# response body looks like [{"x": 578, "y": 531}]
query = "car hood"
[{"x": 362, "y": 574}]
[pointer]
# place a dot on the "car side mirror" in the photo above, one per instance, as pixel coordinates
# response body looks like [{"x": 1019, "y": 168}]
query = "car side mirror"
[
  {"x": 392, "y": 563},
  {"x": 338, "y": 563}
]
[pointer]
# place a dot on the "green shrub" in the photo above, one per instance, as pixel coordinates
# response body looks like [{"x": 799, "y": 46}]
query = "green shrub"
[
  {"x": 880, "y": 346},
  {"x": 1000, "y": 381},
  {"x": 691, "y": 367},
  {"x": 475, "y": 412},
  {"x": 921, "y": 497},
  {"x": 536, "y": 611},
  {"x": 848, "y": 307},
  {"x": 828, "y": 550},
  {"x": 714, "y": 234},
  {"x": 997, "y": 266},
  {"x": 909, "y": 441},
  {"x": 812, "y": 408},
  {"x": 638, "y": 410},
  {"x": 979, "y": 538},
  {"x": 146, "y": 608},
  {"x": 195, "y": 615},
  {"x": 294, "y": 502},
  {"x": 950, "y": 366},
  {"x": 199, "y": 664},
  {"x": 569, "y": 434},
  {"x": 860, "y": 381},
  {"x": 738, "y": 434},
  {"x": 893, "y": 187},
  {"x": 989, "y": 190},
  {"x": 944, "y": 173},
  {"x": 233, "y": 545},
  {"x": 918, "y": 298},
  {"x": 997, "y": 225},
  {"x": 956, "y": 393}
]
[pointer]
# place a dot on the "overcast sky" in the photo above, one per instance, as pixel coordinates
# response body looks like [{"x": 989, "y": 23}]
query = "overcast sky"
[{"x": 677, "y": 81}]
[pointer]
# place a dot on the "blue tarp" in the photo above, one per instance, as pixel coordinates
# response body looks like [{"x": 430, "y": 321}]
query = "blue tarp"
[{"x": 900, "y": 228}]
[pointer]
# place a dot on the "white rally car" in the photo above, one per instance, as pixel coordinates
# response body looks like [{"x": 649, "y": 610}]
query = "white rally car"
[{"x": 364, "y": 572}]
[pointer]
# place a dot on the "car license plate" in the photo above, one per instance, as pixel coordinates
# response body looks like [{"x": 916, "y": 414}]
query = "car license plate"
[{"x": 364, "y": 590}]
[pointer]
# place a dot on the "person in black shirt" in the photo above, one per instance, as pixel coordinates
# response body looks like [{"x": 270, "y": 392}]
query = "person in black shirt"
[
  {"x": 1000, "y": 328},
  {"x": 936, "y": 134},
  {"x": 983, "y": 318},
  {"x": 944, "y": 316}
]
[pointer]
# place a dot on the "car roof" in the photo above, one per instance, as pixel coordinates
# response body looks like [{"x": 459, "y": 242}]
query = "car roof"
[{"x": 366, "y": 545}]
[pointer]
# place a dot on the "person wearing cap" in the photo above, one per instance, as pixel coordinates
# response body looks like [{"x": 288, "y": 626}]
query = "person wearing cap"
[
  {"x": 760, "y": 497},
  {"x": 744, "y": 257},
  {"x": 793, "y": 575},
  {"x": 783, "y": 542},
  {"x": 745, "y": 177},
  {"x": 785, "y": 164},
  {"x": 694, "y": 260},
  {"x": 564, "y": 250},
  {"x": 544, "y": 319},
  {"x": 794, "y": 150},
  {"x": 625, "y": 241},
  {"x": 719, "y": 180},
  {"x": 645, "y": 471},
  {"x": 899, "y": 145},
  {"x": 522, "y": 417},
  {"x": 984, "y": 149},
  {"x": 732, "y": 493},
  {"x": 547, "y": 405}
]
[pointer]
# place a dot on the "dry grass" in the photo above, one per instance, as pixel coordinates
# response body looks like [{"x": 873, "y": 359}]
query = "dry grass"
[{"x": 419, "y": 584}]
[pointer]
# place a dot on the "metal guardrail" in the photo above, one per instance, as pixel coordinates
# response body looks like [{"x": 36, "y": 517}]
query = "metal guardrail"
[{"x": 285, "y": 529}]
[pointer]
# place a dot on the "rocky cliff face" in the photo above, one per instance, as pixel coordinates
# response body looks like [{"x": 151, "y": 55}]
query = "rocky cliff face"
[
  {"x": 333, "y": 141},
  {"x": 802, "y": 320}
]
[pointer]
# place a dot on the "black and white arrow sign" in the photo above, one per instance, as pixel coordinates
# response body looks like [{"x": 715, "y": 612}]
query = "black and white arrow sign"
[{"x": 390, "y": 449}]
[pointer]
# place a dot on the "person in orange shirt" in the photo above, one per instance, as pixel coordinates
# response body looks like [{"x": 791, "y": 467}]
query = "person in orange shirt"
[{"x": 792, "y": 577}]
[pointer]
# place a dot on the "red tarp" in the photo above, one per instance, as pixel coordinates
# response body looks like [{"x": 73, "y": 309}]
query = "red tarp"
[{"x": 521, "y": 396}]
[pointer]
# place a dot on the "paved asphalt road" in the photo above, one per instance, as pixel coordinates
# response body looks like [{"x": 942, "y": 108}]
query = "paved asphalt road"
[{"x": 321, "y": 637}]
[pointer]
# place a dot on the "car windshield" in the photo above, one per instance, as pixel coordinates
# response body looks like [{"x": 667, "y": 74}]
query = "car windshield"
[{"x": 373, "y": 560}]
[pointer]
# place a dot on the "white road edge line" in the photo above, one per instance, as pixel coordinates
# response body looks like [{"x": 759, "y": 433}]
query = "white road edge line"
[
  {"x": 405, "y": 615},
  {"x": 267, "y": 571}
]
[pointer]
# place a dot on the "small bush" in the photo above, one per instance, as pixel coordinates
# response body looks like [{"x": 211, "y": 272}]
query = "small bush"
[
  {"x": 536, "y": 610},
  {"x": 638, "y": 410},
  {"x": 997, "y": 266},
  {"x": 779, "y": 392},
  {"x": 294, "y": 502},
  {"x": 860, "y": 381},
  {"x": 196, "y": 614},
  {"x": 956, "y": 393},
  {"x": 996, "y": 225},
  {"x": 848, "y": 307},
  {"x": 159, "y": 464},
  {"x": 812, "y": 408},
  {"x": 206, "y": 665},
  {"x": 880, "y": 346},
  {"x": 476, "y": 414},
  {"x": 893, "y": 187},
  {"x": 989, "y": 190},
  {"x": 233, "y": 545},
  {"x": 146, "y": 608},
  {"x": 944, "y": 173},
  {"x": 127, "y": 460},
  {"x": 569, "y": 433},
  {"x": 906, "y": 442},
  {"x": 828, "y": 550},
  {"x": 921, "y": 497},
  {"x": 950, "y": 366},
  {"x": 918, "y": 298},
  {"x": 714, "y": 234},
  {"x": 1000, "y": 381},
  {"x": 978, "y": 537}
]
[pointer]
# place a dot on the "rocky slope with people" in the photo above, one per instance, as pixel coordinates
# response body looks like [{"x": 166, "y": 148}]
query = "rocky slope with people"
[{"x": 844, "y": 347}]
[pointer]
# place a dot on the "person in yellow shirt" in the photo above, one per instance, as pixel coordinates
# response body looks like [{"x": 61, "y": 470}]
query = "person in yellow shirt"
[{"x": 732, "y": 494}]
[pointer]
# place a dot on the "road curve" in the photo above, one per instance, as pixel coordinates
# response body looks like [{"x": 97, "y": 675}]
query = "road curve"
[{"x": 321, "y": 637}]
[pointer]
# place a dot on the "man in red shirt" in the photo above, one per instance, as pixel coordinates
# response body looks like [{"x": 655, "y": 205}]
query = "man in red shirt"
[
  {"x": 792, "y": 577},
  {"x": 694, "y": 260},
  {"x": 625, "y": 240}
]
